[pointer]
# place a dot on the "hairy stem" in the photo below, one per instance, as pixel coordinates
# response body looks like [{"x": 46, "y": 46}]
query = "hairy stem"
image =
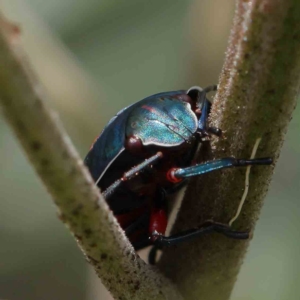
[
  {"x": 80, "y": 205},
  {"x": 257, "y": 94}
]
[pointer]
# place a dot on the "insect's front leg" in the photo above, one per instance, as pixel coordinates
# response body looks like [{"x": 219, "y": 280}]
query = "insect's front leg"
[{"x": 177, "y": 174}]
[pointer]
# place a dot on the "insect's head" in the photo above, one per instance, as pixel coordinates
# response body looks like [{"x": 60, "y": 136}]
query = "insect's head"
[{"x": 198, "y": 95}]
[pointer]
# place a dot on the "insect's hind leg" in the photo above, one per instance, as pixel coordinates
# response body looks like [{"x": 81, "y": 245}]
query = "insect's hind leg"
[
  {"x": 152, "y": 254},
  {"x": 207, "y": 227},
  {"x": 158, "y": 222}
]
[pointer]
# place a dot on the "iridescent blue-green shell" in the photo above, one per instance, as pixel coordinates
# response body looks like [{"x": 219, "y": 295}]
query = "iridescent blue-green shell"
[
  {"x": 157, "y": 120},
  {"x": 163, "y": 121}
]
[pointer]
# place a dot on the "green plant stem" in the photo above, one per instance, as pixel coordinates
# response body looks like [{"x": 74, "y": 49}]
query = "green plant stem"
[
  {"x": 257, "y": 94},
  {"x": 59, "y": 166}
]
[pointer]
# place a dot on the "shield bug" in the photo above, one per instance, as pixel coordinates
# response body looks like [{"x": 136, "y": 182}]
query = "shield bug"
[{"x": 145, "y": 153}]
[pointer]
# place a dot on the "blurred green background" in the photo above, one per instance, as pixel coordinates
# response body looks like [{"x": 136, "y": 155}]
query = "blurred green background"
[{"x": 95, "y": 57}]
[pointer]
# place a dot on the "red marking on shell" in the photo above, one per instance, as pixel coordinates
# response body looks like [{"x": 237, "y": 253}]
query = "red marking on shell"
[
  {"x": 96, "y": 138},
  {"x": 149, "y": 108}
]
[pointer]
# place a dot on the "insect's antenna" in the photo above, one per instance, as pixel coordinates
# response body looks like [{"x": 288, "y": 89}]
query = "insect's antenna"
[
  {"x": 202, "y": 99},
  {"x": 96, "y": 183},
  {"x": 211, "y": 88}
]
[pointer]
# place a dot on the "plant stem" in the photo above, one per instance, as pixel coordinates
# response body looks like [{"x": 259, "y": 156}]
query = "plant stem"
[
  {"x": 80, "y": 205},
  {"x": 257, "y": 94}
]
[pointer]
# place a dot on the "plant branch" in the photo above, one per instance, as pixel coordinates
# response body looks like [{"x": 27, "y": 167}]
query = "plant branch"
[
  {"x": 80, "y": 205},
  {"x": 257, "y": 94}
]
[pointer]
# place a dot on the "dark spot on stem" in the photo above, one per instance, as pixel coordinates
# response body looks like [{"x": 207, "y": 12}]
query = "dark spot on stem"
[
  {"x": 137, "y": 285},
  {"x": 103, "y": 256},
  {"x": 62, "y": 217},
  {"x": 271, "y": 91},
  {"x": 78, "y": 237},
  {"x": 87, "y": 232},
  {"x": 45, "y": 162},
  {"x": 92, "y": 260},
  {"x": 76, "y": 211},
  {"x": 36, "y": 146}
]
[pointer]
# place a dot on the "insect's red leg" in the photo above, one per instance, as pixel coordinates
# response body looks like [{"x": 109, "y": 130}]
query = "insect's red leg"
[{"x": 158, "y": 223}]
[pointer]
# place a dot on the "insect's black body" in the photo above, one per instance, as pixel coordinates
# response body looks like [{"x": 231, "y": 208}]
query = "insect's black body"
[
  {"x": 135, "y": 198},
  {"x": 143, "y": 155}
]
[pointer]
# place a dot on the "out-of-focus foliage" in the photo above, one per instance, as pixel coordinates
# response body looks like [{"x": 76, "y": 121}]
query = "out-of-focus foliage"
[{"x": 95, "y": 57}]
